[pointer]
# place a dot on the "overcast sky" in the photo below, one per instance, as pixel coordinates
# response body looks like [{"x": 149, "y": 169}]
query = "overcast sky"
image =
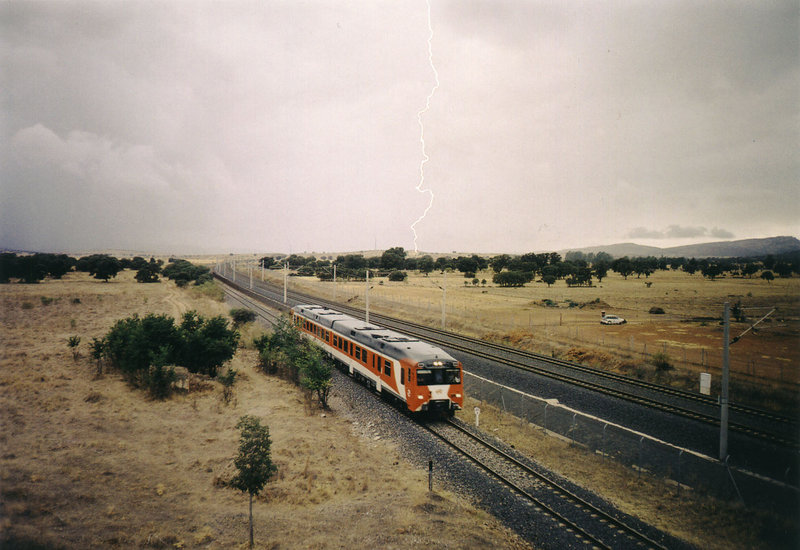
[{"x": 291, "y": 126}]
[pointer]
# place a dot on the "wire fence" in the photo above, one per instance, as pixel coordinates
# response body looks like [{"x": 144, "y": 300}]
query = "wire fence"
[
  {"x": 642, "y": 453},
  {"x": 567, "y": 327}
]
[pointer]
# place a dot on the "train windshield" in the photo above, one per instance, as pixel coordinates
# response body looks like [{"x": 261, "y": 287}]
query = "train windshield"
[{"x": 434, "y": 377}]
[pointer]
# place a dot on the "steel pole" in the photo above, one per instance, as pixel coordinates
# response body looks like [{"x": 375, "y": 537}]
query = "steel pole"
[
  {"x": 366, "y": 299},
  {"x": 444, "y": 299},
  {"x": 723, "y": 401}
]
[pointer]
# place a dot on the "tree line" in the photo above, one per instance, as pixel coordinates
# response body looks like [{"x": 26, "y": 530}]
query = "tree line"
[
  {"x": 574, "y": 268},
  {"x": 34, "y": 268}
]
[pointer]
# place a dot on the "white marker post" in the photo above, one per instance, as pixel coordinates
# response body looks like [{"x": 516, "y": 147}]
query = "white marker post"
[{"x": 477, "y": 416}]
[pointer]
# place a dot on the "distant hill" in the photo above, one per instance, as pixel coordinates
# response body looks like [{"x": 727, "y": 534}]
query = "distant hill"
[{"x": 723, "y": 249}]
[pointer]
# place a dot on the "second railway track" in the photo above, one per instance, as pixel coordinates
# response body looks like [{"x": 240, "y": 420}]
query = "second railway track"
[
  {"x": 663, "y": 398},
  {"x": 590, "y": 524}
]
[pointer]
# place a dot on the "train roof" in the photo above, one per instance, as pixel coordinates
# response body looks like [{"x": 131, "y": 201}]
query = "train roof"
[{"x": 392, "y": 343}]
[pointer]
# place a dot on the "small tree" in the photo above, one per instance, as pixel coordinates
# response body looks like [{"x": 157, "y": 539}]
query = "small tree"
[
  {"x": 98, "y": 350},
  {"x": 661, "y": 361},
  {"x": 227, "y": 380},
  {"x": 768, "y": 276},
  {"x": 315, "y": 373},
  {"x": 73, "y": 342},
  {"x": 254, "y": 463}
]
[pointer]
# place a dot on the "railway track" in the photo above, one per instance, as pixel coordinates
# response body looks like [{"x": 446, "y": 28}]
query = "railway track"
[
  {"x": 246, "y": 300},
  {"x": 588, "y": 523},
  {"x": 752, "y": 422}
]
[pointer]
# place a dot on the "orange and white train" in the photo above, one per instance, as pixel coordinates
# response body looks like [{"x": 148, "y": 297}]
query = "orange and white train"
[{"x": 420, "y": 375}]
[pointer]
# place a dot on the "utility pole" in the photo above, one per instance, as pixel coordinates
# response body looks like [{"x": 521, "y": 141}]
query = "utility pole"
[
  {"x": 334, "y": 282},
  {"x": 285, "y": 279},
  {"x": 444, "y": 299},
  {"x": 723, "y": 416},
  {"x": 366, "y": 298},
  {"x": 250, "y": 272}
]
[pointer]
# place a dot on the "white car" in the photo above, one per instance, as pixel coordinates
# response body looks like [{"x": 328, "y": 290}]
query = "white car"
[{"x": 612, "y": 320}]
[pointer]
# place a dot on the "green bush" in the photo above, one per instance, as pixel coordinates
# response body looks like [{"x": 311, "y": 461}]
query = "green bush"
[
  {"x": 182, "y": 272},
  {"x": 661, "y": 361},
  {"x": 284, "y": 351},
  {"x": 159, "y": 381},
  {"x": 141, "y": 347},
  {"x": 398, "y": 276},
  {"x": 242, "y": 316},
  {"x": 227, "y": 380}
]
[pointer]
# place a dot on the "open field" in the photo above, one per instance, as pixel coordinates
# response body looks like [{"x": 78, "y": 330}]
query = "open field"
[
  {"x": 563, "y": 321},
  {"x": 94, "y": 463},
  {"x": 91, "y": 462}
]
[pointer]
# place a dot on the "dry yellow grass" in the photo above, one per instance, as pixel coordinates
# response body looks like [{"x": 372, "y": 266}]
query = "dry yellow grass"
[
  {"x": 766, "y": 360},
  {"x": 91, "y": 462}
]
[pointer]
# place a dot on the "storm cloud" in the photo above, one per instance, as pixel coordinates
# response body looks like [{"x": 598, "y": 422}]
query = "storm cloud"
[{"x": 276, "y": 126}]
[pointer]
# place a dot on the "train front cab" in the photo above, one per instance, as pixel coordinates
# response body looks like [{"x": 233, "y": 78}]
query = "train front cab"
[{"x": 434, "y": 388}]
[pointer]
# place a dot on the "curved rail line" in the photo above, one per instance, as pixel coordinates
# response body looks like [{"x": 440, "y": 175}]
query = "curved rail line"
[
  {"x": 242, "y": 298},
  {"x": 471, "y": 345},
  {"x": 588, "y": 522}
]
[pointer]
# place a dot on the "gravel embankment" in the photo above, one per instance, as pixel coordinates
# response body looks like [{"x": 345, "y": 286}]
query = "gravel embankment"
[{"x": 375, "y": 419}]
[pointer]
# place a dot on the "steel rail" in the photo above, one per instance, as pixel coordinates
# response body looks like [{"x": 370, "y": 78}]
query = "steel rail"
[{"x": 580, "y": 503}]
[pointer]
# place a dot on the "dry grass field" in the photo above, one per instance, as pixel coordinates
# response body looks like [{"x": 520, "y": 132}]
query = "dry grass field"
[
  {"x": 90, "y": 462},
  {"x": 564, "y": 322}
]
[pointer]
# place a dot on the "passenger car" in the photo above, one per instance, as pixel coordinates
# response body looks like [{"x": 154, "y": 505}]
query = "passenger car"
[{"x": 612, "y": 320}]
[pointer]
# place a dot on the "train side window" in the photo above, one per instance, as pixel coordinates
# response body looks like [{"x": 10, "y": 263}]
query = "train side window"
[
  {"x": 387, "y": 368},
  {"x": 402, "y": 376},
  {"x": 351, "y": 348}
]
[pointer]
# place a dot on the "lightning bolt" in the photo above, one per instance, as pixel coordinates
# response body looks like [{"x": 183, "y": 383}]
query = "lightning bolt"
[{"x": 425, "y": 157}]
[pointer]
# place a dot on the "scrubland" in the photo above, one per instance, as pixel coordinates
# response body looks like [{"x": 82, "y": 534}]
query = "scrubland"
[{"x": 90, "y": 462}]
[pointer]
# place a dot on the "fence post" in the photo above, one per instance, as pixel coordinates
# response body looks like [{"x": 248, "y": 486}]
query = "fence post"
[
  {"x": 545, "y": 417},
  {"x": 641, "y": 444},
  {"x": 603, "y": 445},
  {"x": 572, "y": 429}
]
